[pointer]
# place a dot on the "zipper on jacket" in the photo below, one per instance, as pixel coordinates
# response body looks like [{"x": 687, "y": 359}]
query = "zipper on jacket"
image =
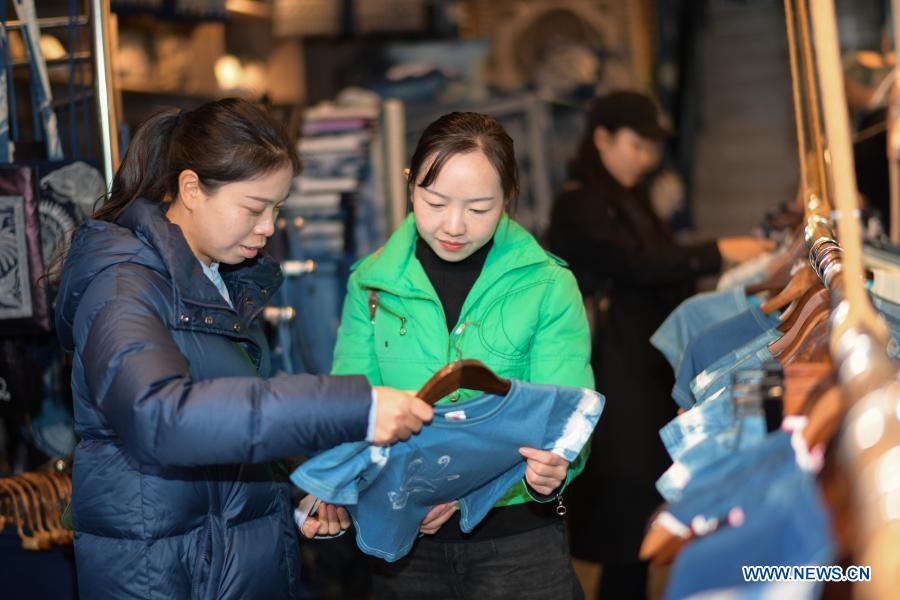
[
  {"x": 204, "y": 558},
  {"x": 560, "y": 507},
  {"x": 454, "y": 342},
  {"x": 374, "y": 304}
]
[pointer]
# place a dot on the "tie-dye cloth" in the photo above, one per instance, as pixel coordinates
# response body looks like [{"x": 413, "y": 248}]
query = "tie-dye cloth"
[{"x": 470, "y": 452}]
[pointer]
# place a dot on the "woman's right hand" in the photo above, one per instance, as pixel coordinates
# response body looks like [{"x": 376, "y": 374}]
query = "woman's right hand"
[
  {"x": 740, "y": 248},
  {"x": 398, "y": 415},
  {"x": 437, "y": 516}
]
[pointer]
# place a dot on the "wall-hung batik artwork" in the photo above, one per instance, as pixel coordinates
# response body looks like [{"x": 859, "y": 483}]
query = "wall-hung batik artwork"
[
  {"x": 15, "y": 282},
  {"x": 23, "y": 291},
  {"x": 57, "y": 226}
]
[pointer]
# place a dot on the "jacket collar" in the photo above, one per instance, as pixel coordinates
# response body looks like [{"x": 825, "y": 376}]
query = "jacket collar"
[
  {"x": 397, "y": 270},
  {"x": 250, "y": 283}
]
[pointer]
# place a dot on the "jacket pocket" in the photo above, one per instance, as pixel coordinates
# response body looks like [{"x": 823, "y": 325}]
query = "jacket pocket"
[
  {"x": 509, "y": 324},
  {"x": 390, "y": 328}
]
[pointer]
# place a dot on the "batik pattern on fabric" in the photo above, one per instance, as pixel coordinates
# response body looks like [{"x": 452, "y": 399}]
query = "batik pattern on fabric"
[
  {"x": 15, "y": 281},
  {"x": 469, "y": 452}
]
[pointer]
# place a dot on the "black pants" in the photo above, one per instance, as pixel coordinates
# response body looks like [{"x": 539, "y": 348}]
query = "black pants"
[
  {"x": 534, "y": 565},
  {"x": 620, "y": 581}
]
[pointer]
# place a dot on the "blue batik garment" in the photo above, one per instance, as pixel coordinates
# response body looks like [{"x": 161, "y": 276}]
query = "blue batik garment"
[
  {"x": 707, "y": 420},
  {"x": 470, "y": 452},
  {"x": 717, "y": 377},
  {"x": 758, "y": 507},
  {"x": 692, "y": 317},
  {"x": 784, "y": 523},
  {"x": 715, "y": 343},
  {"x": 718, "y": 441},
  {"x": 712, "y": 491},
  {"x": 780, "y": 590}
]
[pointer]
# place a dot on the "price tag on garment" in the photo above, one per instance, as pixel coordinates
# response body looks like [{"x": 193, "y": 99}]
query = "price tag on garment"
[{"x": 456, "y": 415}]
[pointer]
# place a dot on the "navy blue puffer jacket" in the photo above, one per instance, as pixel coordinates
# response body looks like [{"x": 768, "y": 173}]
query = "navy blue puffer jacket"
[{"x": 174, "y": 492}]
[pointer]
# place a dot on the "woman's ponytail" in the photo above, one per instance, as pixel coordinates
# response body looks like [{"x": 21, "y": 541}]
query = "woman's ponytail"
[
  {"x": 144, "y": 170},
  {"x": 222, "y": 141}
]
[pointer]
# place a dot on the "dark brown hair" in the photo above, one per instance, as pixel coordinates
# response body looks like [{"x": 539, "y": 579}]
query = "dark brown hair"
[
  {"x": 222, "y": 141},
  {"x": 461, "y": 133}
]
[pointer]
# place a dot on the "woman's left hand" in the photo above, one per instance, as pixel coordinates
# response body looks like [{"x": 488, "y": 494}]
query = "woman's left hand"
[
  {"x": 546, "y": 471},
  {"x": 328, "y": 521}
]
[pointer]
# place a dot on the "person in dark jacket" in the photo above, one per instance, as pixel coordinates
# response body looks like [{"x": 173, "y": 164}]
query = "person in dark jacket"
[
  {"x": 626, "y": 261},
  {"x": 174, "y": 492}
]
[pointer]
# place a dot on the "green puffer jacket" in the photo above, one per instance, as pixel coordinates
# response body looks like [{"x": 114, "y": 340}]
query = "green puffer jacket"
[{"x": 524, "y": 318}]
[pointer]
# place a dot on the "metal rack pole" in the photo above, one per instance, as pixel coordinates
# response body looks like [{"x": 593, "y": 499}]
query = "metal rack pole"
[{"x": 106, "y": 108}]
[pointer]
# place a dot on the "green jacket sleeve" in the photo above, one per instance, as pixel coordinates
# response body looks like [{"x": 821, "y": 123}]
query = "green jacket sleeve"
[
  {"x": 354, "y": 352},
  {"x": 561, "y": 350}
]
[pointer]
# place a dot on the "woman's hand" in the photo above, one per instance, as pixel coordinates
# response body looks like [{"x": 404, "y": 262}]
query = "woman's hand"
[
  {"x": 437, "y": 516},
  {"x": 546, "y": 471},
  {"x": 398, "y": 415},
  {"x": 328, "y": 521},
  {"x": 741, "y": 248}
]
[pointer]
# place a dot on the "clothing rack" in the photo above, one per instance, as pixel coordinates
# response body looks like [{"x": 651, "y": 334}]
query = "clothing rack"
[
  {"x": 870, "y": 440},
  {"x": 893, "y": 137},
  {"x": 97, "y": 16},
  {"x": 106, "y": 100}
]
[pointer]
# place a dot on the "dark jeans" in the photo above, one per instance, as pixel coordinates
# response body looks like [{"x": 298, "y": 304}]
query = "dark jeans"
[{"x": 534, "y": 565}]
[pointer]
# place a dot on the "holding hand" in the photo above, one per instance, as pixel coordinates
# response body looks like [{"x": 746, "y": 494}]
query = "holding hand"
[
  {"x": 398, "y": 415},
  {"x": 546, "y": 471},
  {"x": 326, "y": 520},
  {"x": 741, "y": 248},
  {"x": 437, "y": 516}
]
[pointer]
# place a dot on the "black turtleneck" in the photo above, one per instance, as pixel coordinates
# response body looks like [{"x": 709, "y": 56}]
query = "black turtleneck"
[{"x": 452, "y": 280}]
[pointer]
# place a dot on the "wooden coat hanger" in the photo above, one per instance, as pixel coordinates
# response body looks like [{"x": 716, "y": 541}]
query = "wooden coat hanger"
[
  {"x": 798, "y": 285},
  {"x": 61, "y": 483},
  {"x": 49, "y": 502},
  {"x": 41, "y": 507},
  {"x": 824, "y": 418},
  {"x": 800, "y": 310},
  {"x": 661, "y": 546},
  {"x": 36, "y": 512},
  {"x": 802, "y": 335},
  {"x": 6, "y": 512},
  {"x": 812, "y": 347},
  {"x": 780, "y": 269},
  {"x": 38, "y": 540},
  {"x": 29, "y": 542},
  {"x": 802, "y": 381},
  {"x": 467, "y": 374}
]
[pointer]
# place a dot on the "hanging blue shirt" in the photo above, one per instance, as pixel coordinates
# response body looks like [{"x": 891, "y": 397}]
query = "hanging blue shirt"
[
  {"x": 782, "y": 520},
  {"x": 694, "y": 316},
  {"x": 716, "y": 342},
  {"x": 470, "y": 452}
]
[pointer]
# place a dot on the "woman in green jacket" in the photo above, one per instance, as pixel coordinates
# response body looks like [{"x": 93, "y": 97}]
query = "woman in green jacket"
[{"x": 460, "y": 279}]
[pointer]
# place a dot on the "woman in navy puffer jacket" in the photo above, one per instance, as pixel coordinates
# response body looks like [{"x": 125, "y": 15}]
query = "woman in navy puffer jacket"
[{"x": 174, "y": 491}]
